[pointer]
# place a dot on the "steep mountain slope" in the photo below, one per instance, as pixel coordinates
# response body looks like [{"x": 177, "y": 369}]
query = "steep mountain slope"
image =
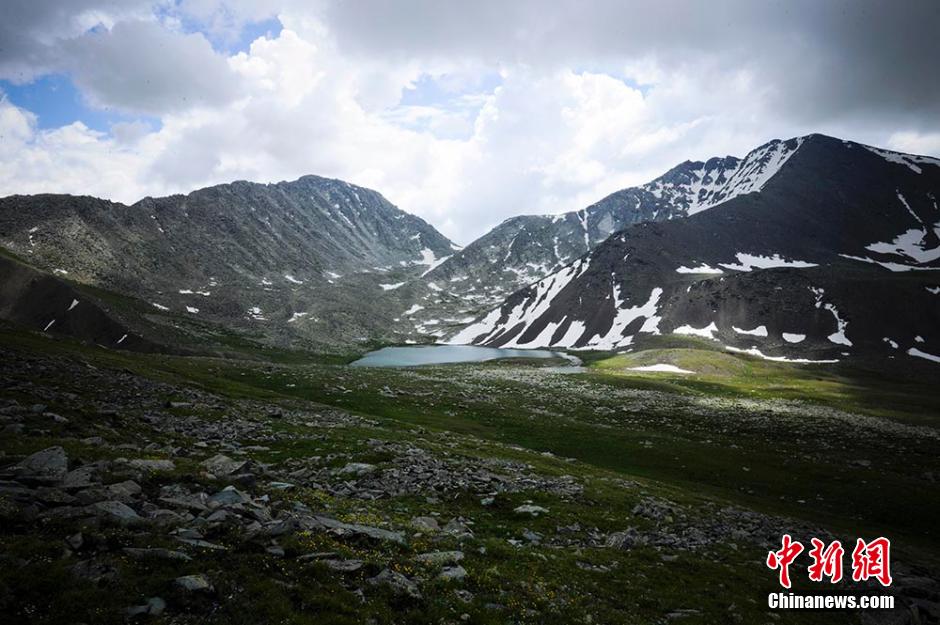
[
  {"x": 50, "y": 305},
  {"x": 255, "y": 255},
  {"x": 524, "y": 249},
  {"x": 838, "y": 253}
]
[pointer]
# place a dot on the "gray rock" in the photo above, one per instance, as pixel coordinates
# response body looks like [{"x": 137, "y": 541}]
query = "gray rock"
[
  {"x": 626, "y": 539},
  {"x": 202, "y": 544},
  {"x": 54, "y": 496},
  {"x": 94, "y": 571},
  {"x": 194, "y": 583},
  {"x": 440, "y": 558},
  {"x": 228, "y": 496},
  {"x": 89, "y": 496},
  {"x": 75, "y": 541},
  {"x": 152, "y": 466},
  {"x": 221, "y": 465},
  {"x": 344, "y": 566},
  {"x": 357, "y": 468},
  {"x": 155, "y": 606},
  {"x": 399, "y": 584},
  {"x": 425, "y": 524},
  {"x": 49, "y": 465},
  {"x": 124, "y": 491},
  {"x": 453, "y": 573},
  {"x": 116, "y": 511},
  {"x": 456, "y": 527},
  {"x": 530, "y": 509},
  {"x": 157, "y": 552},
  {"x": 377, "y": 533},
  {"x": 82, "y": 477}
]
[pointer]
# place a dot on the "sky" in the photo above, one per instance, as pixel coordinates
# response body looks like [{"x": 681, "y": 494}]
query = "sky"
[{"x": 465, "y": 113}]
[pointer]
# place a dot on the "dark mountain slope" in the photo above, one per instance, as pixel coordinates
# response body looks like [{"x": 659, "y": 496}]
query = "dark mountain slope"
[
  {"x": 524, "y": 249},
  {"x": 841, "y": 245},
  {"x": 44, "y": 303}
]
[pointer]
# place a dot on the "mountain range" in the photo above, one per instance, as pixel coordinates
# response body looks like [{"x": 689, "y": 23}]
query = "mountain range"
[
  {"x": 837, "y": 252},
  {"x": 811, "y": 248}
]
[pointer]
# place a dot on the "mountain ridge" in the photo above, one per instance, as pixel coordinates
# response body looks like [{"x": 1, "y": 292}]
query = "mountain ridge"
[
  {"x": 829, "y": 215},
  {"x": 256, "y": 256},
  {"x": 318, "y": 261}
]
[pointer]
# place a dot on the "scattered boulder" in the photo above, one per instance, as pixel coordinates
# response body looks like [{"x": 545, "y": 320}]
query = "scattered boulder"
[
  {"x": 425, "y": 524},
  {"x": 75, "y": 541},
  {"x": 124, "y": 491},
  {"x": 440, "y": 558},
  {"x": 626, "y": 539},
  {"x": 155, "y": 606},
  {"x": 116, "y": 511},
  {"x": 194, "y": 583},
  {"x": 354, "y": 529},
  {"x": 47, "y": 466},
  {"x": 456, "y": 527},
  {"x": 400, "y": 585},
  {"x": 82, "y": 477},
  {"x": 530, "y": 509},
  {"x": 228, "y": 496},
  {"x": 357, "y": 469},
  {"x": 152, "y": 466},
  {"x": 453, "y": 574},
  {"x": 344, "y": 566},
  {"x": 95, "y": 571},
  {"x": 157, "y": 553},
  {"x": 221, "y": 465}
]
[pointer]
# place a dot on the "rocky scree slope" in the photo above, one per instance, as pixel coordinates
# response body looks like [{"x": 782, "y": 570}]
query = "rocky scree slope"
[{"x": 292, "y": 258}]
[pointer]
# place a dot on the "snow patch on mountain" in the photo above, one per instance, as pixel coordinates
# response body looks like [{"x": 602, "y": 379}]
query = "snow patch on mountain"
[
  {"x": 749, "y": 262},
  {"x": 661, "y": 368},
  {"x": 912, "y": 161},
  {"x": 710, "y": 187},
  {"x": 838, "y": 337},
  {"x": 614, "y": 337},
  {"x": 921, "y": 354},
  {"x": 758, "y": 331},
  {"x": 703, "y": 268},
  {"x": 706, "y": 332},
  {"x": 912, "y": 245},
  {"x": 753, "y": 351}
]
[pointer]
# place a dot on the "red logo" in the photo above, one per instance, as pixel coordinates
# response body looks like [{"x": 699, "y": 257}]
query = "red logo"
[
  {"x": 872, "y": 560},
  {"x": 783, "y": 558},
  {"x": 826, "y": 562},
  {"x": 869, "y": 560}
]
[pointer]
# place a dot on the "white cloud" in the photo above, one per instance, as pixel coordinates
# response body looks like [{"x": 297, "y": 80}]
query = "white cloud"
[
  {"x": 72, "y": 158},
  {"x": 557, "y": 134},
  {"x": 32, "y": 32},
  {"x": 141, "y": 66},
  {"x": 914, "y": 142}
]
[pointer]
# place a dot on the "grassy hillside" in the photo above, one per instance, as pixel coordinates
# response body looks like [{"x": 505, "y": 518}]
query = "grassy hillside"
[{"x": 661, "y": 494}]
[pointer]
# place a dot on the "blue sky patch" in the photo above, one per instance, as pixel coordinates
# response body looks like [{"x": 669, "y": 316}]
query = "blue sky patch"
[{"x": 56, "y": 102}]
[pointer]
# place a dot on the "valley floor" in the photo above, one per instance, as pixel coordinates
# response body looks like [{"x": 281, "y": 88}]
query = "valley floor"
[{"x": 289, "y": 488}]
